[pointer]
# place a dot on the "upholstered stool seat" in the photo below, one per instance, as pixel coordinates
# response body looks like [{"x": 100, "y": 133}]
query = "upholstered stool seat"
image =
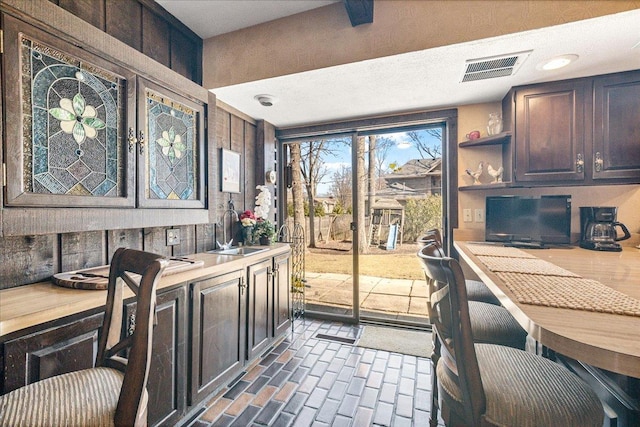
[
  {"x": 492, "y": 324},
  {"x": 113, "y": 393},
  {"x": 478, "y": 291},
  {"x": 482, "y": 384},
  {"x": 55, "y": 400},
  {"x": 526, "y": 390}
]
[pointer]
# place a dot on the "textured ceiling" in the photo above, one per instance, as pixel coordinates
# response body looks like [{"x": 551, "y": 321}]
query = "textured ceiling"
[{"x": 424, "y": 79}]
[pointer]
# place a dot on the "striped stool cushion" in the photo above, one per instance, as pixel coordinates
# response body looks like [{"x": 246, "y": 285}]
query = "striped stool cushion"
[
  {"x": 523, "y": 389},
  {"x": 478, "y": 291},
  {"x": 494, "y": 324},
  {"x": 82, "y": 398}
]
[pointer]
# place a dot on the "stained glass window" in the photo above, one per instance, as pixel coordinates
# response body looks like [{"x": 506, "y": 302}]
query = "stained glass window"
[
  {"x": 171, "y": 163},
  {"x": 72, "y": 121}
]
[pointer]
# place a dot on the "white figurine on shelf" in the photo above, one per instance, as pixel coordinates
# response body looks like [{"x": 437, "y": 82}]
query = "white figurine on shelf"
[
  {"x": 476, "y": 175},
  {"x": 496, "y": 174}
]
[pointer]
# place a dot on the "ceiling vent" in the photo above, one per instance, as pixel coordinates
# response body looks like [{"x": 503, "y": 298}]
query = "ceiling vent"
[{"x": 495, "y": 66}]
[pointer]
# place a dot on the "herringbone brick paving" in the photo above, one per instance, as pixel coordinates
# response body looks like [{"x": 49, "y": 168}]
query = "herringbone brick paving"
[{"x": 314, "y": 381}]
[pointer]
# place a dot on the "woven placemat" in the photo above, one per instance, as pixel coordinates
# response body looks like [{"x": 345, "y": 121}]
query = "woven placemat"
[
  {"x": 524, "y": 265},
  {"x": 569, "y": 292},
  {"x": 492, "y": 250}
]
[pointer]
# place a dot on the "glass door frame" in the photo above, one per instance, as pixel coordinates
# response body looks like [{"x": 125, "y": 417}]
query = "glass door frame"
[{"x": 363, "y": 127}]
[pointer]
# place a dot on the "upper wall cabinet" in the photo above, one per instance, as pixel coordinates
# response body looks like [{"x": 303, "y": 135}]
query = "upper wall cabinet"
[
  {"x": 73, "y": 138},
  {"x": 616, "y": 127},
  {"x": 170, "y": 149},
  {"x": 66, "y": 113},
  {"x": 92, "y": 124},
  {"x": 583, "y": 131},
  {"x": 549, "y": 132}
]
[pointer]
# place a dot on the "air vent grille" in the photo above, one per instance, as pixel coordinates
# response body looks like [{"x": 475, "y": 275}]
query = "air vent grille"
[{"x": 489, "y": 68}]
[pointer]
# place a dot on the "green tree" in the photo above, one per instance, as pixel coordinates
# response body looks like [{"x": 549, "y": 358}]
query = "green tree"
[{"x": 421, "y": 215}]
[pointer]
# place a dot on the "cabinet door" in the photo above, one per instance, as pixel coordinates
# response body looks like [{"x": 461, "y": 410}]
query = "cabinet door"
[
  {"x": 260, "y": 319},
  {"x": 549, "y": 132},
  {"x": 171, "y": 149},
  {"x": 218, "y": 337},
  {"x": 66, "y": 113},
  {"x": 281, "y": 300},
  {"x": 167, "y": 374},
  {"x": 616, "y": 127},
  {"x": 53, "y": 351}
]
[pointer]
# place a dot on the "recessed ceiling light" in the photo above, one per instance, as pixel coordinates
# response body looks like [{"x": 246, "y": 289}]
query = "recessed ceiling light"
[
  {"x": 556, "y": 62},
  {"x": 265, "y": 100}
]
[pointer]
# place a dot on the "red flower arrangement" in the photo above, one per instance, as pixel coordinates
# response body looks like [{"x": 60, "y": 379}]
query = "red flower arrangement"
[{"x": 247, "y": 219}]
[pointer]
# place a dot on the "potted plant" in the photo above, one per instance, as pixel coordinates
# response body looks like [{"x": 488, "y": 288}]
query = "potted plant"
[{"x": 265, "y": 231}]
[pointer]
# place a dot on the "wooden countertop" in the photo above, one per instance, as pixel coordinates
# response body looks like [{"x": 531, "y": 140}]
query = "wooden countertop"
[
  {"x": 607, "y": 341},
  {"x": 30, "y": 305}
]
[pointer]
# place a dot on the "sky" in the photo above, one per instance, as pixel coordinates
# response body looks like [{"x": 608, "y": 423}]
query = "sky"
[{"x": 399, "y": 153}]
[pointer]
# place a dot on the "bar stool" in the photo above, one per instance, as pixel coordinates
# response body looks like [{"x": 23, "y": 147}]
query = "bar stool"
[
  {"x": 114, "y": 392},
  {"x": 476, "y": 290},
  {"x": 489, "y": 324},
  {"x": 487, "y": 384}
]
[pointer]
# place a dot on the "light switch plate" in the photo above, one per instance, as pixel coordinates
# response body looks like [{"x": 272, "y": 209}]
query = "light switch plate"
[
  {"x": 466, "y": 215},
  {"x": 173, "y": 236},
  {"x": 479, "y": 215}
]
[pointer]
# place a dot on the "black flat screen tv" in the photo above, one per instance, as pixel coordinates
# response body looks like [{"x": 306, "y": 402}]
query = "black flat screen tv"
[{"x": 528, "y": 221}]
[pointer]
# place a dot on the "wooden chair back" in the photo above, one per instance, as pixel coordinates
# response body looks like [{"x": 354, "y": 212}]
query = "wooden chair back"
[
  {"x": 432, "y": 235},
  {"x": 449, "y": 316},
  {"x": 140, "y": 272}
]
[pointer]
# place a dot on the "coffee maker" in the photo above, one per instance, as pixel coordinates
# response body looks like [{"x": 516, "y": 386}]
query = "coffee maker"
[{"x": 598, "y": 228}]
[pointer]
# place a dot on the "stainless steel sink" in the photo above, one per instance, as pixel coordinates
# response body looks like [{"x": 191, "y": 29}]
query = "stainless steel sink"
[{"x": 240, "y": 251}]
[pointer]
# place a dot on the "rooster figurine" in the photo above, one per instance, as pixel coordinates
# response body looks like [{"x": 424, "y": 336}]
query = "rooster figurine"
[
  {"x": 476, "y": 175},
  {"x": 496, "y": 174}
]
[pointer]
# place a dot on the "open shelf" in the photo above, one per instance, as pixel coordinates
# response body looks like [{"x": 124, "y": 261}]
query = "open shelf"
[
  {"x": 485, "y": 186},
  {"x": 499, "y": 139}
]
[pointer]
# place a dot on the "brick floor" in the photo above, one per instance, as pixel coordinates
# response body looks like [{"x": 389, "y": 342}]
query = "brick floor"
[{"x": 316, "y": 381}]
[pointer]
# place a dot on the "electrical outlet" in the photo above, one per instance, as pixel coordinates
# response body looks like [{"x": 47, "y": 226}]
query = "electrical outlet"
[
  {"x": 479, "y": 215},
  {"x": 173, "y": 236},
  {"x": 466, "y": 215}
]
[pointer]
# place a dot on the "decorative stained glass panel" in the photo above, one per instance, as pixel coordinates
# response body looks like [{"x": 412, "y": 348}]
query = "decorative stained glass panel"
[
  {"x": 73, "y": 116},
  {"x": 171, "y": 163}
]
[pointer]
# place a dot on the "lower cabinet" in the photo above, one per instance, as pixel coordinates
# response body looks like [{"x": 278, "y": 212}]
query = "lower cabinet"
[
  {"x": 260, "y": 309},
  {"x": 167, "y": 375},
  {"x": 218, "y": 325},
  {"x": 281, "y": 297},
  {"x": 49, "y": 352},
  {"x": 207, "y": 331}
]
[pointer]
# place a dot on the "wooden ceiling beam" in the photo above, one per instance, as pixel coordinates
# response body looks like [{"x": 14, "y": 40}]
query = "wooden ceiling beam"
[{"x": 360, "y": 11}]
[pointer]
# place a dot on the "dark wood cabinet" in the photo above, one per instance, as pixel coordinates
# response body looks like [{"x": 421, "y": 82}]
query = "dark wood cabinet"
[
  {"x": 91, "y": 123},
  {"x": 260, "y": 307},
  {"x": 170, "y": 148},
  {"x": 206, "y": 332},
  {"x": 218, "y": 325},
  {"x": 67, "y": 111},
  {"x": 56, "y": 350},
  {"x": 167, "y": 374},
  {"x": 575, "y": 132},
  {"x": 616, "y": 127},
  {"x": 550, "y": 132},
  {"x": 281, "y": 295}
]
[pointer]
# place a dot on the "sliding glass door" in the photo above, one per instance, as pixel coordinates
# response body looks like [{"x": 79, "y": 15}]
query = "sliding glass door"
[{"x": 363, "y": 199}]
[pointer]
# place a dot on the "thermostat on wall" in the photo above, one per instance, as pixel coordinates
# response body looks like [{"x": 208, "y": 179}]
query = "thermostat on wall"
[{"x": 271, "y": 177}]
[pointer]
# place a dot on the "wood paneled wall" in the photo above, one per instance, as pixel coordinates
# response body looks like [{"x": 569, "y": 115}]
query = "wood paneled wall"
[{"x": 147, "y": 27}]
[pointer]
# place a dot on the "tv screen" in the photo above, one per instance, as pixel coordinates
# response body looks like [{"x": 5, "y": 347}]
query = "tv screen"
[{"x": 528, "y": 221}]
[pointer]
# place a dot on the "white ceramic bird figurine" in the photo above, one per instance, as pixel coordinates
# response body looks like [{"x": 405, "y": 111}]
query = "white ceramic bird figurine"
[
  {"x": 476, "y": 175},
  {"x": 496, "y": 174}
]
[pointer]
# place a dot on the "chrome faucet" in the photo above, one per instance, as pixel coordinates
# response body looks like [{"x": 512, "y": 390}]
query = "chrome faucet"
[{"x": 230, "y": 211}]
